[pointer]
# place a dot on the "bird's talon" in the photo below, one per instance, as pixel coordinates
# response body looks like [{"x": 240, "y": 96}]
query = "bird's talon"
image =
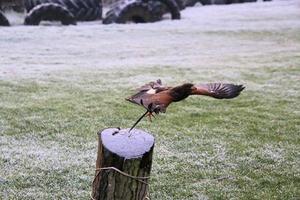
[{"x": 150, "y": 114}]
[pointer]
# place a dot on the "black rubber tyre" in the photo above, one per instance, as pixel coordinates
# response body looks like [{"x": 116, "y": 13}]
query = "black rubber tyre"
[
  {"x": 171, "y": 6},
  {"x": 83, "y": 10},
  {"x": 49, "y": 12},
  {"x": 3, "y": 20},
  {"x": 131, "y": 11},
  {"x": 136, "y": 12},
  {"x": 141, "y": 11}
]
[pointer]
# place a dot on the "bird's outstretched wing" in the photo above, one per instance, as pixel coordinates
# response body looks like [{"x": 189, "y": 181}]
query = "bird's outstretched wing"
[
  {"x": 218, "y": 90},
  {"x": 146, "y": 91},
  {"x": 151, "y": 85}
]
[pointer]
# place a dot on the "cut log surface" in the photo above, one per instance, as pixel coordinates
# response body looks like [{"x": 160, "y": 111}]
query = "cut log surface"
[
  {"x": 123, "y": 164},
  {"x": 128, "y": 145}
]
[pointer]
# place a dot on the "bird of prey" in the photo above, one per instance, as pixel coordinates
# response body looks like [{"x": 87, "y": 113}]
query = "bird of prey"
[{"x": 156, "y": 97}]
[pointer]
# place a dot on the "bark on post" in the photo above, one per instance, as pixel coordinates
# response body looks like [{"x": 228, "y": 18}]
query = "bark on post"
[{"x": 123, "y": 165}]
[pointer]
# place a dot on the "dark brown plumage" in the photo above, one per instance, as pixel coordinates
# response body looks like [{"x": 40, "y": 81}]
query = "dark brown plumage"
[
  {"x": 161, "y": 96},
  {"x": 156, "y": 98}
]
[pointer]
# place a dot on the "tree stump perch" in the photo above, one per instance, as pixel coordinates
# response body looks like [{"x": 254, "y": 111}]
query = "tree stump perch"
[{"x": 123, "y": 164}]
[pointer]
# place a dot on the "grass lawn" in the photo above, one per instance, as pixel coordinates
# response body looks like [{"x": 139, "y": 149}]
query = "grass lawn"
[{"x": 245, "y": 148}]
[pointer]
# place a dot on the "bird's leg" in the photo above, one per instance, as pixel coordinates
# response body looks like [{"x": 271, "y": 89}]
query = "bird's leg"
[
  {"x": 139, "y": 120},
  {"x": 150, "y": 114}
]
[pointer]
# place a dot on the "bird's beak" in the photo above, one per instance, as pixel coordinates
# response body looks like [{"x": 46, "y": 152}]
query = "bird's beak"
[{"x": 129, "y": 99}]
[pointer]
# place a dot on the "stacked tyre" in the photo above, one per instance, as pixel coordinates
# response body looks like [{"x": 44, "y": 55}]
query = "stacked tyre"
[
  {"x": 135, "y": 11},
  {"x": 66, "y": 11},
  {"x": 141, "y": 11},
  {"x": 49, "y": 12}
]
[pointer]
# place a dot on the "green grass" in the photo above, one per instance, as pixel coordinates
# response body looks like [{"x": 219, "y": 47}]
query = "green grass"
[{"x": 246, "y": 148}]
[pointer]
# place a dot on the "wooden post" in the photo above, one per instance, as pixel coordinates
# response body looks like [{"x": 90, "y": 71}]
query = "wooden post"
[{"x": 123, "y": 165}]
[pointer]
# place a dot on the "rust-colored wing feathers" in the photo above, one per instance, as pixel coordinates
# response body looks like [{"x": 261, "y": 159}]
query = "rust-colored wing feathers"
[
  {"x": 160, "y": 97},
  {"x": 218, "y": 90},
  {"x": 156, "y": 98}
]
